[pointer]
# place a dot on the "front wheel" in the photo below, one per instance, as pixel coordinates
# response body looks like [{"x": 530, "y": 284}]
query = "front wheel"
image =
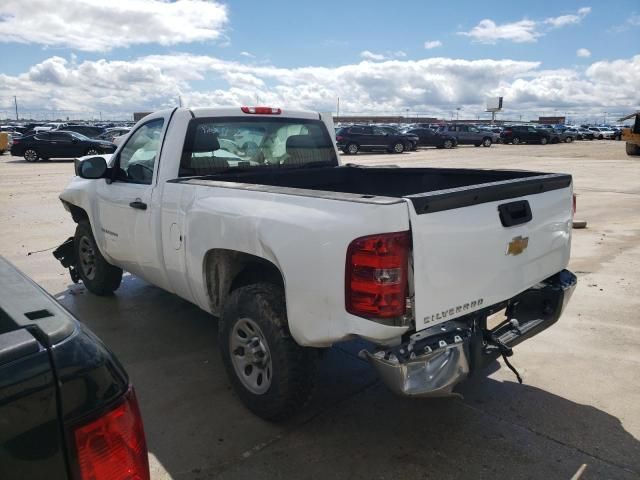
[
  {"x": 486, "y": 142},
  {"x": 351, "y": 149},
  {"x": 568, "y": 139},
  {"x": 544, "y": 141},
  {"x": 632, "y": 148},
  {"x": 515, "y": 140},
  {"x": 98, "y": 275},
  {"x": 448, "y": 144},
  {"x": 269, "y": 371},
  {"x": 30, "y": 155},
  {"x": 397, "y": 147}
]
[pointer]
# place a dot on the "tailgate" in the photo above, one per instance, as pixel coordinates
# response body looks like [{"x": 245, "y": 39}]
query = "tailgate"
[{"x": 480, "y": 245}]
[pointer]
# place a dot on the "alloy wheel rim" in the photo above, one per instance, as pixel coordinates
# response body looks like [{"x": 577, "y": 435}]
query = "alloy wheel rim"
[
  {"x": 353, "y": 149},
  {"x": 87, "y": 257},
  {"x": 250, "y": 356},
  {"x": 398, "y": 148},
  {"x": 30, "y": 155}
]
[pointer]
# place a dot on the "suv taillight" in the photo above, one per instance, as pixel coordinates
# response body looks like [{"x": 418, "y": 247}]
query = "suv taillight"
[
  {"x": 15, "y": 141},
  {"x": 339, "y": 138},
  {"x": 376, "y": 275},
  {"x": 113, "y": 447}
]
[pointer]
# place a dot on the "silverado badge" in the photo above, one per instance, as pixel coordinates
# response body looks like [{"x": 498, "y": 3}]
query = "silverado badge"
[{"x": 517, "y": 245}]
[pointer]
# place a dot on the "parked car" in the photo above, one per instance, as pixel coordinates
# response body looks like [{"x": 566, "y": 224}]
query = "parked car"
[
  {"x": 47, "y": 127},
  {"x": 356, "y": 138},
  {"x": 87, "y": 130},
  {"x": 428, "y": 138},
  {"x": 112, "y": 133},
  {"x": 58, "y": 144},
  {"x": 410, "y": 140},
  {"x": 602, "y": 133},
  {"x": 469, "y": 135},
  {"x": 555, "y": 135},
  {"x": 516, "y": 134},
  {"x": 67, "y": 406},
  {"x": 294, "y": 251},
  {"x": 580, "y": 133}
]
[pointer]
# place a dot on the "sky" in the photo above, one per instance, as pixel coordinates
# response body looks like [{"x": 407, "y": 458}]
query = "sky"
[{"x": 107, "y": 59}]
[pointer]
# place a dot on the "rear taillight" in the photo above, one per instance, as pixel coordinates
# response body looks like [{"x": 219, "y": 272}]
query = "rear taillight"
[
  {"x": 262, "y": 110},
  {"x": 376, "y": 275},
  {"x": 15, "y": 142},
  {"x": 113, "y": 447},
  {"x": 339, "y": 138}
]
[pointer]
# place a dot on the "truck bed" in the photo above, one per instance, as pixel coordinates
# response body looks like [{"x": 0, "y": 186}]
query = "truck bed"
[{"x": 429, "y": 189}]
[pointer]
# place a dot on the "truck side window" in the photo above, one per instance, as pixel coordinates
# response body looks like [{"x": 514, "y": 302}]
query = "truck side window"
[{"x": 138, "y": 156}]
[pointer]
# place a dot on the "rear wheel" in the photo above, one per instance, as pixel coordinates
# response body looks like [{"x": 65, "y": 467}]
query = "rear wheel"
[
  {"x": 98, "y": 275},
  {"x": 515, "y": 140},
  {"x": 487, "y": 142},
  {"x": 448, "y": 144},
  {"x": 351, "y": 149},
  {"x": 30, "y": 155},
  {"x": 269, "y": 371},
  {"x": 568, "y": 139},
  {"x": 544, "y": 141}
]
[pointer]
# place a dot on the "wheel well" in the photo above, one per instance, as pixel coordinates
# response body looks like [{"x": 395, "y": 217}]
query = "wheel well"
[
  {"x": 228, "y": 270},
  {"x": 78, "y": 214}
]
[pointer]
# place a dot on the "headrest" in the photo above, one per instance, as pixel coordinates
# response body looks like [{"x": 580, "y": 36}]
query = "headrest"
[
  {"x": 205, "y": 142},
  {"x": 301, "y": 141}
]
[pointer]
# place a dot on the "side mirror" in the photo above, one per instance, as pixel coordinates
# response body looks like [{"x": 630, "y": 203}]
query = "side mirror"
[{"x": 92, "y": 168}]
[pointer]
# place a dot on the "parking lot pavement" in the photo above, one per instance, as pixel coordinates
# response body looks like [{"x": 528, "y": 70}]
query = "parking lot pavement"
[{"x": 580, "y": 402}]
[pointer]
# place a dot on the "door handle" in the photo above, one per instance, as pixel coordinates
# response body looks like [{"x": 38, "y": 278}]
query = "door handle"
[{"x": 138, "y": 204}]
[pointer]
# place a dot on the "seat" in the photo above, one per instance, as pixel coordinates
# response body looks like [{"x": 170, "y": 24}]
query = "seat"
[
  {"x": 302, "y": 149},
  {"x": 192, "y": 164}
]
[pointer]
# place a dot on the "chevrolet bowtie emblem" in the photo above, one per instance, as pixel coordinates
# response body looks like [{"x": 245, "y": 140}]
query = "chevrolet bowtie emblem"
[{"x": 517, "y": 245}]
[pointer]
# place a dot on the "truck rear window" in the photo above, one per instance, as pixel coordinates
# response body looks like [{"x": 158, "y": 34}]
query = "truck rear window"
[{"x": 218, "y": 144}]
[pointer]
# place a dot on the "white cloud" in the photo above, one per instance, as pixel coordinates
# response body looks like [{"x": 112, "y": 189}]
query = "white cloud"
[
  {"x": 487, "y": 31},
  {"x": 432, "y": 44},
  {"x": 631, "y": 22},
  {"x": 572, "y": 19},
  {"x": 96, "y": 25},
  {"x": 434, "y": 86},
  {"x": 247, "y": 54},
  {"x": 378, "y": 57},
  {"x": 583, "y": 52},
  {"x": 523, "y": 31},
  {"x": 367, "y": 55}
]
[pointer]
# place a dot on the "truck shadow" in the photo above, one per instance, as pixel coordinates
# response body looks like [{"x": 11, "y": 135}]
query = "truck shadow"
[{"x": 353, "y": 428}]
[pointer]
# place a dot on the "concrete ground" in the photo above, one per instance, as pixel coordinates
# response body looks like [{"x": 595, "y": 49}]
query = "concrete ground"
[{"x": 580, "y": 403}]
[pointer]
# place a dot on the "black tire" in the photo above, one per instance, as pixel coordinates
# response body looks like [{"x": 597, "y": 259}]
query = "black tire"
[
  {"x": 397, "y": 147},
  {"x": 351, "y": 148},
  {"x": 515, "y": 140},
  {"x": 632, "y": 148},
  {"x": 544, "y": 141},
  {"x": 568, "y": 139},
  {"x": 92, "y": 151},
  {"x": 447, "y": 144},
  {"x": 486, "y": 142},
  {"x": 292, "y": 367},
  {"x": 31, "y": 155},
  {"x": 100, "y": 278},
  {"x": 554, "y": 140}
]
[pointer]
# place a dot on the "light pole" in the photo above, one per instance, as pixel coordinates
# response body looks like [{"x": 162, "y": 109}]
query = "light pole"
[{"x": 458, "y": 113}]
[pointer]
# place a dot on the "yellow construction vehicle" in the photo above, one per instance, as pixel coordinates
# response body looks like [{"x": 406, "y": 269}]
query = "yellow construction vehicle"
[
  {"x": 632, "y": 135},
  {"x": 5, "y": 142}
]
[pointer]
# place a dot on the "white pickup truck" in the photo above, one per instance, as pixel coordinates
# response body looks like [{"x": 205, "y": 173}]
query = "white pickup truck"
[{"x": 249, "y": 214}]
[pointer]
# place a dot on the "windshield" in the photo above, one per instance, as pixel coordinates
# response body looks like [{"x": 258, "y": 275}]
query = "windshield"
[{"x": 216, "y": 144}]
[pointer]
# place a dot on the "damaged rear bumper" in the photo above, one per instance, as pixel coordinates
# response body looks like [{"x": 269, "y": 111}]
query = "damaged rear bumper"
[{"x": 434, "y": 360}]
